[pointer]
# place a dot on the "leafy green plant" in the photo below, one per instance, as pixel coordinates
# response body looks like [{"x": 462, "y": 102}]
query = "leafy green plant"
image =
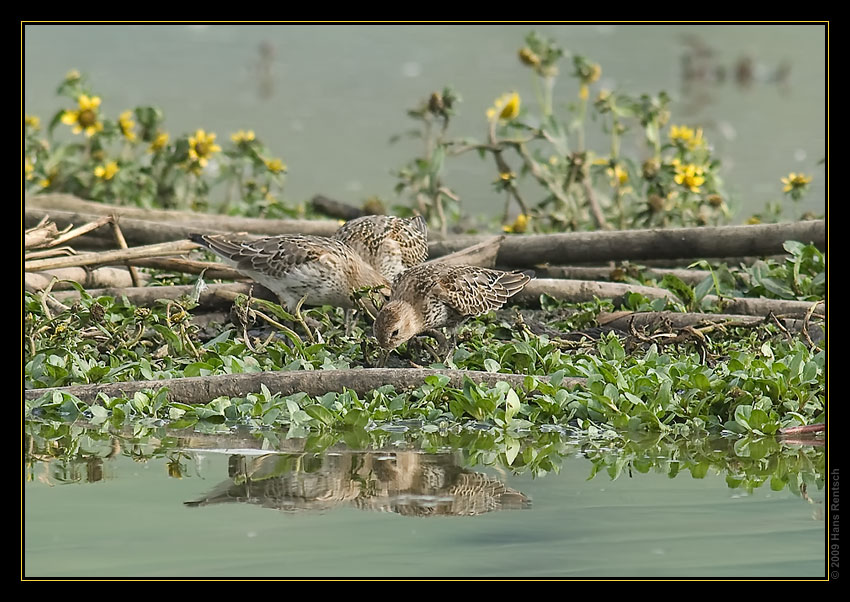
[{"x": 132, "y": 160}]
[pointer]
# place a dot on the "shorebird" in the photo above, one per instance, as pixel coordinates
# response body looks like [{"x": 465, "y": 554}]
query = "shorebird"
[
  {"x": 389, "y": 244},
  {"x": 432, "y": 295},
  {"x": 320, "y": 270}
]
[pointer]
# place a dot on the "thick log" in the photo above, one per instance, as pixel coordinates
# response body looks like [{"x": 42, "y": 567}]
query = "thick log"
[
  {"x": 202, "y": 389},
  {"x": 482, "y": 254},
  {"x": 635, "y": 245},
  {"x": 577, "y": 291},
  {"x": 667, "y": 320},
  {"x": 690, "y": 277},
  {"x": 330, "y": 207},
  {"x": 762, "y": 307}
]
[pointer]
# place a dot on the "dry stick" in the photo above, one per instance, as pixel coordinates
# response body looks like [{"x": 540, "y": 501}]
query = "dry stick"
[
  {"x": 119, "y": 238},
  {"x": 210, "y": 269},
  {"x": 112, "y": 257},
  {"x": 84, "y": 229},
  {"x": 202, "y": 389},
  {"x": 806, "y": 325}
]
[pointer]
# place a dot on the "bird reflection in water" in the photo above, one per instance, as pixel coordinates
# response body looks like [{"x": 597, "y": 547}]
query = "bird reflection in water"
[{"x": 407, "y": 482}]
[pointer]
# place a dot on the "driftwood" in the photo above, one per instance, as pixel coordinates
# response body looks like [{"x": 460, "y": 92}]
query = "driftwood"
[
  {"x": 211, "y": 270},
  {"x": 155, "y": 226},
  {"x": 111, "y": 257},
  {"x": 211, "y": 298},
  {"x": 330, "y": 207},
  {"x": 482, "y": 254},
  {"x": 762, "y": 307},
  {"x": 673, "y": 243},
  {"x": 671, "y": 320},
  {"x": 690, "y": 277},
  {"x": 99, "y": 278},
  {"x": 202, "y": 389},
  {"x": 576, "y": 291}
]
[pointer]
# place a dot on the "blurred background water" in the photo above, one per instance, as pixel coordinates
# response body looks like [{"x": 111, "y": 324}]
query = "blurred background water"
[{"x": 328, "y": 98}]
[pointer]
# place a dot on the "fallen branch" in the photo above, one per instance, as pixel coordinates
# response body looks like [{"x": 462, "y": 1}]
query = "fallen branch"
[
  {"x": 332, "y": 208},
  {"x": 690, "y": 277},
  {"x": 578, "y": 291},
  {"x": 99, "y": 278},
  {"x": 214, "y": 297},
  {"x": 673, "y": 243},
  {"x": 111, "y": 257},
  {"x": 670, "y": 320},
  {"x": 761, "y": 307},
  {"x": 143, "y": 228},
  {"x": 482, "y": 254},
  {"x": 202, "y": 389}
]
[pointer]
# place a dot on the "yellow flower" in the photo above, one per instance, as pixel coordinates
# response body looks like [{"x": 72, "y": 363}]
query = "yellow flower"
[
  {"x": 682, "y": 134},
  {"x": 85, "y": 118},
  {"x": 106, "y": 172},
  {"x": 506, "y": 107},
  {"x": 275, "y": 165},
  {"x": 795, "y": 181},
  {"x": 201, "y": 147},
  {"x": 594, "y": 74},
  {"x": 28, "y": 169},
  {"x": 690, "y": 176},
  {"x": 507, "y": 176},
  {"x": 32, "y": 121},
  {"x": 159, "y": 142},
  {"x": 520, "y": 224},
  {"x": 583, "y": 92},
  {"x": 618, "y": 175},
  {"x": 528, "y": 57},
  {"x": 242, "y": 136},
  {"x": 753, "y": 220},
  {"x": 72, "y": 75},
  {"x": 126, "y": 123},
  {"x": 44, "y": 183}
]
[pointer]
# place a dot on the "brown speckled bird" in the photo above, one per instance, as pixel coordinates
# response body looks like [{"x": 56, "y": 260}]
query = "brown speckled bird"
[
  {"x": 432, "y": 295},
  {"x": 324, "y": 270},
  {"x": 389, "y": 244}
]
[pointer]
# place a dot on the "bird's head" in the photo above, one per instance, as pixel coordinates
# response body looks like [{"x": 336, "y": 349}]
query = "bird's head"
[{"x": 397, "y": 322}]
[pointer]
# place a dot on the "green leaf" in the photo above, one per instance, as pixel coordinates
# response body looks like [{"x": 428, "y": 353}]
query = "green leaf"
[
  {"x": 321, "y": 413},
  {"x": 511, "y": 405}
]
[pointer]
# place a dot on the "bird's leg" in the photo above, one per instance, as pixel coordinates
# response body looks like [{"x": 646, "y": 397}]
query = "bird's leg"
[
  {"x": 349, "y": 321},
  {"x": 301, "y": 320}
]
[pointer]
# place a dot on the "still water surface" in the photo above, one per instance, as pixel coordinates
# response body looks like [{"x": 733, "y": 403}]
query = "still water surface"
[{"x": 397, "y": 513}]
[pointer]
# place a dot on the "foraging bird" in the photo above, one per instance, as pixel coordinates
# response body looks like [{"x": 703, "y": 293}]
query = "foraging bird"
[
  {"x": 321, "y": 270},
  {"x": 432, "y": 295},
  {"x": 389, "y": 244}
]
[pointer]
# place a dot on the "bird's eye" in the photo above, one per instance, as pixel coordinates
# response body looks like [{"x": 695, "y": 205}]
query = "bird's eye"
[{"x": 395, "y": 333}]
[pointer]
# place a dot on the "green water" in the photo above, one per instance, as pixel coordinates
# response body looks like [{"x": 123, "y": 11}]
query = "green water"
[
  {"x": 328, "y": 98},
  {"x": 398, "y": 514}
]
